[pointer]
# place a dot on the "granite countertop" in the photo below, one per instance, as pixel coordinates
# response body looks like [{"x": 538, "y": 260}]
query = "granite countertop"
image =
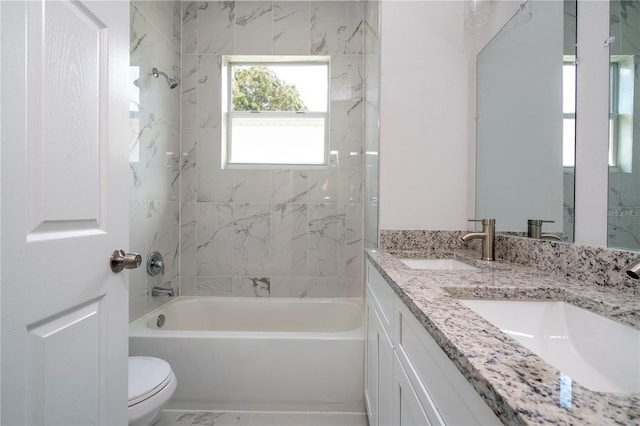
[{"x": 518, "y": 385}]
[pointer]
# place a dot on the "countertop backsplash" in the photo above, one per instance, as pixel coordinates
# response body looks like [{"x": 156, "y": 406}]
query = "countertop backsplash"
[{"x": 588, "y": 264}]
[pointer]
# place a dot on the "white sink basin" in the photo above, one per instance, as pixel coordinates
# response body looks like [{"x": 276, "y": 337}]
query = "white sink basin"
[
  {"x": 441, "y": 264},
  {"x": 599, "y": 353}
]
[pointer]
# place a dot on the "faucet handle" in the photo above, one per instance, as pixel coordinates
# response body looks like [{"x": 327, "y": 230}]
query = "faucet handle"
[
  {"x": 539, "y": 222},
  {"x": 484, "y": 221}
]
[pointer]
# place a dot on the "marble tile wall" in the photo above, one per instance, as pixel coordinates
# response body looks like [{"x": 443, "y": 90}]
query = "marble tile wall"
[
  {"x": 588, "y": 264},
  {"x": 154, "y": 117},
  {"x": 623, "y": 214},
  {"x": 290, "y": 233},
  {"x": 371, "y": 120},
  {"x": 568, "y": 208}
]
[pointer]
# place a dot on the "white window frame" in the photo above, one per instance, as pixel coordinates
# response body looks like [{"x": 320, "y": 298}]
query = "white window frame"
[
  {"x": 229, "y": 115},
  {"x": 570, "y": 60},
  {"x": 614, "y": 117},
  {"x": 621, "y": 122},
  {"x": 619, "y": 155}
]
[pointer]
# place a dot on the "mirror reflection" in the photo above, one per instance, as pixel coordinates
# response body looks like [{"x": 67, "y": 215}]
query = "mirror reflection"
[
  {"x": 623, "y": 216},
  {"x": 526, "y": 123}
]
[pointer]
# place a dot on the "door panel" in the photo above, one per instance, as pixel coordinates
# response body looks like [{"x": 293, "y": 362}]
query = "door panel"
[
  {"x": 64, "y": 210},
  {"x": 65, "y": 360},
  {"x": 67, "y": 102}
]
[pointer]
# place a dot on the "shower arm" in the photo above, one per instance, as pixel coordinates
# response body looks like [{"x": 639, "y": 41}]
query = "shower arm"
[{"x": 171, "y": 81}]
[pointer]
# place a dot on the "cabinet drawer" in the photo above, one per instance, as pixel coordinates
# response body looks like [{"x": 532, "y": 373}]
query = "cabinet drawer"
[
  {"x": 382, "y": 296},
  {"x": 433, "y": 374}
]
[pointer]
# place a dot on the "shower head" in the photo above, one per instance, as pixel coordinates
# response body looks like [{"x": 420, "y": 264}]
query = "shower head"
[{"x": 171, "y": 81}]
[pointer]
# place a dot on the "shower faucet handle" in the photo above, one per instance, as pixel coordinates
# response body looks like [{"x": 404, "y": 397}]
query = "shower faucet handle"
[{"x": 155, "y": 264}]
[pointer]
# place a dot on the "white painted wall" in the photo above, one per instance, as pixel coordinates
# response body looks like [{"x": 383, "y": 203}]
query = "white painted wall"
[
  {"x": 424, "y": 99},
  {"x": 592, "y": 124},
  {"x": 427, "y": 165}
]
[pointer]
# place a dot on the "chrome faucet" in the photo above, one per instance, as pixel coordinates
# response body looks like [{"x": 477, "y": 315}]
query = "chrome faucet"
[
  {"x": 159, "y": 291},
  {"x": 488, "y": 236},
  {"x": 633, "y": 270},
  {"x": 534, "y": 230}
]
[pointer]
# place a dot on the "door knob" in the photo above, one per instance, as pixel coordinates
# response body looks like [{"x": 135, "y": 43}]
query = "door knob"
[{"x": 120, "y": 260}]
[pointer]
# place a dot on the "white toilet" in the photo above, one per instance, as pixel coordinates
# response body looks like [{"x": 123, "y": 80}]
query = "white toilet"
[{"x": 151, "y": 385}]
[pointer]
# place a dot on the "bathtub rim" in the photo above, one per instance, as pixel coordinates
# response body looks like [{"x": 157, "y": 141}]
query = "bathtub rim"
[{"x": 138, "y": 328}]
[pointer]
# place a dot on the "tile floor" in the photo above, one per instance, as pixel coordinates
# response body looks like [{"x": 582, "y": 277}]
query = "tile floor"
[{"x": 228, "y": 418}]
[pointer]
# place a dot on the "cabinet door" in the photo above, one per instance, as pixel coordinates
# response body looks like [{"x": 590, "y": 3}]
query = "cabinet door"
[
  {"x": 379, "y": 371},
  {"x": 407, "y": 409},
  {"x": 385, "y": 377},
  {"x": 371, "y": 365},
  {"x": 381, "y": 296}
]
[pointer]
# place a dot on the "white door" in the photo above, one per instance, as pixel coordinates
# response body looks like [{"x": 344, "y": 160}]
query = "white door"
[{"x": 64, "y": 211}]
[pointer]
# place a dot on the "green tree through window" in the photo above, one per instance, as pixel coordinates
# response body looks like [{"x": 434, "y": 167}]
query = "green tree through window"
[{"x": 257, "y": 88}]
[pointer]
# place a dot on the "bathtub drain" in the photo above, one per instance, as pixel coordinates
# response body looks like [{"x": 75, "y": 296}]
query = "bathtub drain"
[{"x": 161, "y": 320}]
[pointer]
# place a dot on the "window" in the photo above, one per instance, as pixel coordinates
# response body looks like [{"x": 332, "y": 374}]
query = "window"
[
  {"x": 569, "y": 113},
  {"x": 277, "y": 111},
  {"x": 621, "y": 94}
]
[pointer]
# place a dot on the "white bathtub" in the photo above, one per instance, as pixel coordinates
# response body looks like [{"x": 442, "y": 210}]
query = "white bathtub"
[{"x": 275, "y": 354}]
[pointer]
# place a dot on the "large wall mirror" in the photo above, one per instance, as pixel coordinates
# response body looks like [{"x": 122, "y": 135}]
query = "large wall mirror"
[
  {"x": 623, "y": 215},
  {"x": 526, "y": 122}
]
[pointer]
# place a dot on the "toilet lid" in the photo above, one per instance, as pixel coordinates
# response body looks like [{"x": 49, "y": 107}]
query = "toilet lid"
[{"x": 147, "y": 376}]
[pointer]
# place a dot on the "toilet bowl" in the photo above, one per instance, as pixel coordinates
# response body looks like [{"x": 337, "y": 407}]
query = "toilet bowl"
[{"x": 151, "y": 385}]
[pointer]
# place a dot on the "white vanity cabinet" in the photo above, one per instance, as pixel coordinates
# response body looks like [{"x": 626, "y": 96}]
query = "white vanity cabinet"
[
  {"x": 379, "y": 352},
  {"x": 410, "y": 381},
  {"x": 445, "y": 394}
]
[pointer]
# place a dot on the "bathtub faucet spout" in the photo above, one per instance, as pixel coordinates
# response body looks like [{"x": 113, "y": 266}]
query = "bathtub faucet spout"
[{"x": 159, "y": 291}]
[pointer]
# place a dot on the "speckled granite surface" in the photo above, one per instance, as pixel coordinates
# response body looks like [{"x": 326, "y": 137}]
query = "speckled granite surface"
[
  {"x": 597, "y": 265},
  {"x": 423, "y": 239},
  {"x": 518, "y": 385}
]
